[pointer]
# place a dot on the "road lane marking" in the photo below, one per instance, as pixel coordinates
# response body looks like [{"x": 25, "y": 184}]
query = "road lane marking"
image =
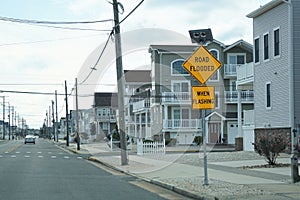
[
  {"x": 28, "y": 152},
  {"x": 26, "y": 156},
  {"x": 66, "y": 157},
  {"x": 39, "y": 152},
  {"x": 17, "y": 152},
  {"x": 40, "y": 156},
  {"x": 53, "y": 156},
  {"x": 13, "y": 156}
]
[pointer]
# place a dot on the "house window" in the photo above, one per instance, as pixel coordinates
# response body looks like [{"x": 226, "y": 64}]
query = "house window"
[
  {"x": 256, "y": 50},
  {"x": 266, "y": 46},
  {"x": 217, "y": 103},
  {"x": 268, "y": 95},
  {"x": 276, "y": 42},
  {"x": 215, "y": 76},
  {"x": 177, "y": 68},
  {"x": 181, "y": 86}
]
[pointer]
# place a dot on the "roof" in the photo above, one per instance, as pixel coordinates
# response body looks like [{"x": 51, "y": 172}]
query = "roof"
[
  {"x": 137, "y": 76},
  {"x": 179, "y": 48},
  {"x": 105, "y": 99},
  {"x": 243, "y": 44},
  {"x": 265, "y": 8},
  {"x": 172, "y": 48}
]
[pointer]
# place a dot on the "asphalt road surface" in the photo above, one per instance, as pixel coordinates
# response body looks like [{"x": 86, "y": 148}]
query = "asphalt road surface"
[{"x": 43, "y": 171}]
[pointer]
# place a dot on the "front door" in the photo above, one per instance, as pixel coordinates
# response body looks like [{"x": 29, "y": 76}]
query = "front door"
[{"x": 214, "y": 132}]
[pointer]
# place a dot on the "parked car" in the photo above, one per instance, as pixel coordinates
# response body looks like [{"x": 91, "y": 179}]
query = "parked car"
[{"x": 29, "y": 139}]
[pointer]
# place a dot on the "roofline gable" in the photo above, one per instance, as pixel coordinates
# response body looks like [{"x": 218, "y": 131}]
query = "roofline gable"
[{"x": 265, "y": 8}]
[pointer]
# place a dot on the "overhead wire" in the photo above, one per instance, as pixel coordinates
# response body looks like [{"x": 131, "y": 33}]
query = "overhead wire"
[
  {"x": 112, "y": 32},
  {"x": 27, "y": 21},
  {"x": 99, "y": 57}
]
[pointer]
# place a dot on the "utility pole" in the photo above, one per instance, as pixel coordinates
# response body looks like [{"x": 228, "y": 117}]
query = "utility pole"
[
  {"x": 9, "y": 130},
  {"x": 56, "y": 117},
  {"x": 67, "y": 115},
  {"x": 47, "y": 133},
  {"x": 121, "y": 84},
  {"x": 53, "y": 121},
  {"x": 3, "y": 117},
  {"x": 77, "y": 121},
  {"x": 12, "y": 121}
]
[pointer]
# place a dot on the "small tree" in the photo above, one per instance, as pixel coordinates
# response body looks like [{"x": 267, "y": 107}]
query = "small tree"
[{"x": 270, "y": 147}]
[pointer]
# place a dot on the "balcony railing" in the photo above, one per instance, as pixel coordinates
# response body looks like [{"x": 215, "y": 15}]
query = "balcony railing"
[
  {"x": 245, "y": 73},
  {"x": 176, "y": 97},
  {"x": 230, "y": 70},
  {"x": 182, "y": 123},
  {"x": 248, "y": 118},
  {"x": 107, "y": 118},
  {"x": 246, "y": 96},
  {"x": 140, "y": 105}
]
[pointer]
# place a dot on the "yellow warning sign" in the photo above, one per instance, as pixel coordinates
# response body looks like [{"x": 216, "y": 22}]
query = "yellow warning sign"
[
  {"x": 203, "y": 97},
  {"x": 201, "y": 64}
]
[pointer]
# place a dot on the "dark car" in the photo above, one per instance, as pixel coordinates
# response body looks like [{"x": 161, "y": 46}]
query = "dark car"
[{"x": 29, "y": 139}]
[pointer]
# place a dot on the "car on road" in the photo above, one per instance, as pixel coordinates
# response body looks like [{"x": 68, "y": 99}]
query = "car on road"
[{"x": 29, "y": 139}]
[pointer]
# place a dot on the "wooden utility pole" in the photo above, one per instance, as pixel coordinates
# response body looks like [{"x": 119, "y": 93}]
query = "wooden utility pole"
[
  {"x": 56, "y": 117},
  {"x": 67, "y": 115},
  {"x": 3, "y": 117},
  {"x": 121, "y": 84},
  {"x": 77, "y": 119}
]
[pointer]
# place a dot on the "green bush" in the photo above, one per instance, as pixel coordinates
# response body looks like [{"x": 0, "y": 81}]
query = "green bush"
[
  {"x": 270, "y": 147},
  {"x": 198, "y": 140}
]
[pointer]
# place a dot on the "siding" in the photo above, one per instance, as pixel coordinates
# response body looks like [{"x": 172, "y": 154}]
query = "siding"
[
  {"x": 274, "y": 71},
  {"x": 296, "y": 55}
]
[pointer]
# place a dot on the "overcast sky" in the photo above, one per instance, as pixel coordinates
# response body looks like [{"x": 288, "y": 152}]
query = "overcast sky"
[{"x": 39, "y": 59}]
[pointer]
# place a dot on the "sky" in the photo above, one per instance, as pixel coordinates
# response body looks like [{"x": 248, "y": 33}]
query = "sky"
[{"x": 39, "y": 58}]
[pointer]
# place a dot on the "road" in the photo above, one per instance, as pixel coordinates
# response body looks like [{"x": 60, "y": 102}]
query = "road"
[{"x": 45, "y": 171}]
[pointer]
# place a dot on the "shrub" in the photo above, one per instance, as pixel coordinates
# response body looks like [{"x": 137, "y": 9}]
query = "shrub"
[
  {"x": 270, "y": 147},
  {"x": 198, "y": 140}
]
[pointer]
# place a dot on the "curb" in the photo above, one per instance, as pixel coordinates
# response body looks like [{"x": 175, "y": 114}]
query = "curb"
[{"x": 154, "y": 182}]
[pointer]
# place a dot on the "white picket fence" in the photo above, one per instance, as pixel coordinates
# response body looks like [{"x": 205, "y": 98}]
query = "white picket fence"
[{"x": 150, "y": 147}]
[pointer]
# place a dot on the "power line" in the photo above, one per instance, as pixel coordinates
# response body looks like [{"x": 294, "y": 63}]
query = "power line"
[
  {"x": 95, "y": 65},
  {"x": 42, "y": 41},
  {"x": 131, "y": 12},
  {"x": 28, "y": 21},
  {"x": 25, "y": 92}
]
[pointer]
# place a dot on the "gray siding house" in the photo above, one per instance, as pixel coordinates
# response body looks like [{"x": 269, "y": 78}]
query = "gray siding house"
[
  {"x": 170, "y": 106},
  {"x": 276, "y": 30}
]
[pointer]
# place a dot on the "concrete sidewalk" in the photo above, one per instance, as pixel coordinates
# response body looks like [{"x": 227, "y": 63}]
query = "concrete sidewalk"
[{"x": 227, "y": 179}]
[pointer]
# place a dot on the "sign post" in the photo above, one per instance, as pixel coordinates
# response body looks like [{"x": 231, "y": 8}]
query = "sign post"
[{"x": 202, "y": 65}]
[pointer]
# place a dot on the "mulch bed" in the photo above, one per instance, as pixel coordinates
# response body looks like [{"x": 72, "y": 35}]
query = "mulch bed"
[{"x": 267, "y": 166}]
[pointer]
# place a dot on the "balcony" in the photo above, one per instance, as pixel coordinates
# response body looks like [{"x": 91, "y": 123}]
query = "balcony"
[
  {"x": 176, "y": 97},
  {"x": 248, "y": 118},
  {"x": 141, "y": 105},
  {"x": 247, "y": 96},
  {"x": 230, "y": 70},
  {"x": 182, "y": 124},
  {"x": 107, "y": 118},
  {"x": 245, "y": 75}
]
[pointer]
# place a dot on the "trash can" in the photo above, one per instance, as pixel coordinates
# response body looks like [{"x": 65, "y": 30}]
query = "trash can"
[{"x": 239, "y": 144}]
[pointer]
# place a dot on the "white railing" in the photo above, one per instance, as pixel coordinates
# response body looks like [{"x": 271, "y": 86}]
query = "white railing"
[
  {"x": 150, "y": 147},
  {"x": 107, "y": 118},
  {"x": 245, "y": 72},
  {"x": 182, "y": 123},
  {"x": 176, "y": 97},
  {"x": 139, "y": 105},
  {"x": 232, "y": 96},
  {"x": 248, "y": 117},
  {"x": 230, "y": 69}
]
